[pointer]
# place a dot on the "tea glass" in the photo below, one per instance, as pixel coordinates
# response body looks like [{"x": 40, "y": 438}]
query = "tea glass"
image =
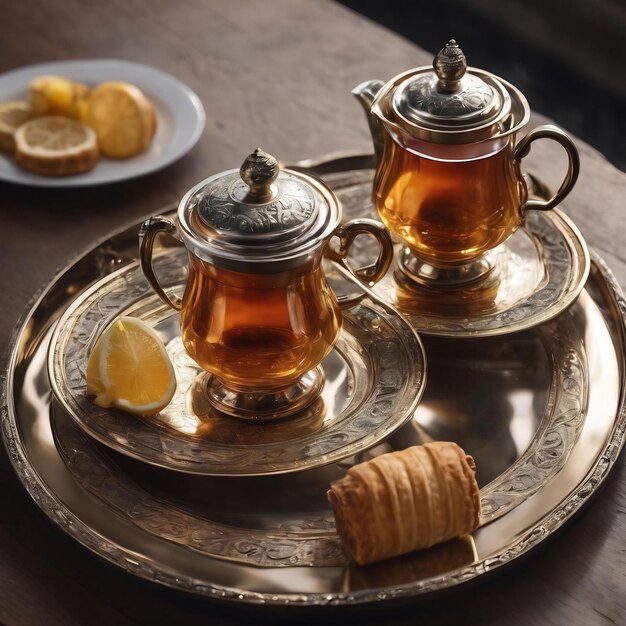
[
  {"x": 448, "y": 181},
  {"x": 452, "y": 204},
  {"x": 260, "y": 317}
]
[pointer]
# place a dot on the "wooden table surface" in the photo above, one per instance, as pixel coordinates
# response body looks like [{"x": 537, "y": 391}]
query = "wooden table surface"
[{"x": 275, "y": 74}]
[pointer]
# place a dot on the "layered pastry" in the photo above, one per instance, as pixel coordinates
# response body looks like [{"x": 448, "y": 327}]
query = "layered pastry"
[{"x": 405, "y": 501}]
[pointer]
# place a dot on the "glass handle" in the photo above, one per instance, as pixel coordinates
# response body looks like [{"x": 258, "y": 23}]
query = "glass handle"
[
  {"x": 573, "y": 167},
  {"x": 372, "y": 273},
  {"x": 147, "y": 235}
]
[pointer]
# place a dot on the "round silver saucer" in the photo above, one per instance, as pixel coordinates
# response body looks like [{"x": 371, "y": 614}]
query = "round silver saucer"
[
  {"x": 537, "y": 273},
  {"x": 372, "y": 382}
]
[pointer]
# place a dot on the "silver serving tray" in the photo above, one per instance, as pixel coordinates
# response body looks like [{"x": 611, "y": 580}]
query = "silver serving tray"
[{"x": 542, "y": 411}]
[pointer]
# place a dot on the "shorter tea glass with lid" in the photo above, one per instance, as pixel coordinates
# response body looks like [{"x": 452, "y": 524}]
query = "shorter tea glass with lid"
[
  {"x": 257, "y": 312},
  {"x": 448, "y": 181}
]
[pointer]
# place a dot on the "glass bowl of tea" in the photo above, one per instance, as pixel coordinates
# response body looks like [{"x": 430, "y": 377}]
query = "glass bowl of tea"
[{"x": 257, "y": 312}]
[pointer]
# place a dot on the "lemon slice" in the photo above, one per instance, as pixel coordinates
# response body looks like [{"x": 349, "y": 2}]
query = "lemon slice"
[
  {"x": 12, "y": 115},
  {"x": 123, "y": 118},
  {"x": 130, "y": 369},
  {"x": 55, "y": 146}
]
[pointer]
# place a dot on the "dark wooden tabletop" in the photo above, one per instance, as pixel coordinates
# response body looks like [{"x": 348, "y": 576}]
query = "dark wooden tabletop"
[{"x": 277, "y": 75}]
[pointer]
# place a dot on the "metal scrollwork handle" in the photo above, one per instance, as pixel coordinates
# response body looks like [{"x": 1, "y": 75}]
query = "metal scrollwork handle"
[
  {"x": 147, "y": 234},
  {"x": 573, "y": 167},
  {"x": 372, "y": 273}
]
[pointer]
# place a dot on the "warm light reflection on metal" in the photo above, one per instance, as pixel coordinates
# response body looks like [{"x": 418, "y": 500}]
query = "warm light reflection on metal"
[{"x": 521, "y": 428}]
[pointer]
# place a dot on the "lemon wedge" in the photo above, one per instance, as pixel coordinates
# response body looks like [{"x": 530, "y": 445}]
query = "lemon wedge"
[
  {"x": 130, "y": 369},
  {"x": 123, "y": 118}
]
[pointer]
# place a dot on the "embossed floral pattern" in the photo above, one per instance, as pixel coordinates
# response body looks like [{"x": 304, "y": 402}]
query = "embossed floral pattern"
[{"x": 220, "y": 206}]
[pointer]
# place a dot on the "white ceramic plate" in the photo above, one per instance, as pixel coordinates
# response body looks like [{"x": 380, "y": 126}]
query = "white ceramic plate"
[{"x": 179, "y": 111}]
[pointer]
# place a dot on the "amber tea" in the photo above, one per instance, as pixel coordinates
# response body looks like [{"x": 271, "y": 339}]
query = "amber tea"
[
  {"x": 269, "y": 329},
  {"x": 449, "y": 212}
]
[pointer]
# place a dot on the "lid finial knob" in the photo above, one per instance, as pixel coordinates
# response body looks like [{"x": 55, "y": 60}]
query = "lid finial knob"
[
  {"x": 259, "y": 171},
  {"x": 450, "y": 65}
]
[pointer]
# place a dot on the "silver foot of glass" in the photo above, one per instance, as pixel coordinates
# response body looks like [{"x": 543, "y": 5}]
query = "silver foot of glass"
[
  {"x": 426, "y": 274},
  {"x": 265, "y": 406}
]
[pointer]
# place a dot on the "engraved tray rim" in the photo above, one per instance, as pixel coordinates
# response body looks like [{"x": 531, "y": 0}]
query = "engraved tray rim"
[{"x": 64, "y": 517}]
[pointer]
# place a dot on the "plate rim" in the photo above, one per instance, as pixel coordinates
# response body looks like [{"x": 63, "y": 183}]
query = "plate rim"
[{"x": 83, "y": 180}]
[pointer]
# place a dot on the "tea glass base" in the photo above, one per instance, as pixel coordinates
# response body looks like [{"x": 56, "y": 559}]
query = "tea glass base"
[
  {"x": 265, "y": 406},
  {"x": 431, "y": 275}
]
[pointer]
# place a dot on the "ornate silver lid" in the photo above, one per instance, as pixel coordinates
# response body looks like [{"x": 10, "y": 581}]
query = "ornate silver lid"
[
  {"x": 451, "y": 99},
  {"x": 259, "y": 212},
  {"x": 257, "y": 204}
]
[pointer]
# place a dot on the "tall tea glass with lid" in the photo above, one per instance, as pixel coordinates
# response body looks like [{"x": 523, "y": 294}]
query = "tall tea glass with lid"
[
  {"x": 257, "y": 312},
  {"x": 448, "y": 179}
]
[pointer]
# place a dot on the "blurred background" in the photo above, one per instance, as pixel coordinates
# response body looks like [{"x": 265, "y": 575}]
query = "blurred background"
[{"x": 568, "y": 57}]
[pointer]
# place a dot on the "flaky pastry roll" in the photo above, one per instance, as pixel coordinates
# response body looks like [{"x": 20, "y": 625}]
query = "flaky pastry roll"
[{"x": 405, "y": 501}]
